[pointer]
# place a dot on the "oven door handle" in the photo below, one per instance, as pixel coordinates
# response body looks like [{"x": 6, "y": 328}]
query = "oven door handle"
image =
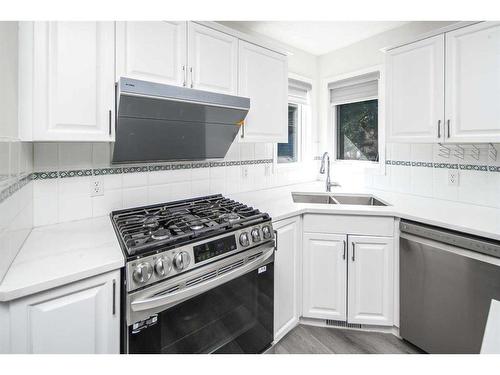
[{"x": 169, "y": 300}]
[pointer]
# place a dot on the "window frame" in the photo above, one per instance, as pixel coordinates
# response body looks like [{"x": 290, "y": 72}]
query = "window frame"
[
  {"x": 375, "y": 166},
  {"x": 304, "y": 117}
]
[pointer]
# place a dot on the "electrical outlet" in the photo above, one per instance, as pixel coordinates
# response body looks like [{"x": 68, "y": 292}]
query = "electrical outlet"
[
  {"x": 244, "y": 171},
  {"x": 453, "y": 177},
  {"x": 96, "y": 187}
]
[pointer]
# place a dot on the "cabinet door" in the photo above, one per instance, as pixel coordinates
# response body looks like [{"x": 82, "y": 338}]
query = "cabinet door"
[
  {"x": 152, "y": 51},
  {"x": 473, "y": 83},
  {"x": 370, "y": 280},
  {"x": 82, "y": 317},
  {"x": 213, "y": 60},
  {"x": 287, "y": 276},
  {"x": 324, "y": 276},
  {"x": 74, "y": 87},
  {"x": 415, "y": 91},
  {"x": 263, "y": 77}
]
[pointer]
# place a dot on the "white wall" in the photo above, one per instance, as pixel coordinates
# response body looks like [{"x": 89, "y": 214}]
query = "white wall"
[{"x": 16, "y": 158}]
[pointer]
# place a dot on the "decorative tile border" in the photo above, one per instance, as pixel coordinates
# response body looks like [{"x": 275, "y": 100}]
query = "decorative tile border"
[
  {"x": 425, "y": 164},
  {"x": 75, "y": 173},
  {"x": 144, "y": 168},
  {"x": 15, "y": 186}
]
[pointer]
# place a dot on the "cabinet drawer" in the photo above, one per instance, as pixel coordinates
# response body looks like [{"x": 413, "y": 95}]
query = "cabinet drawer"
[{"x": 350, "y": 224}]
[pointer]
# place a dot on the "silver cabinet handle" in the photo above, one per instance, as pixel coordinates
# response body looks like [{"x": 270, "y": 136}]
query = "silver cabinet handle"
[
  {"x": 439, "y": 128},
  {"x": 448, "y": 124},
  {"x": 109, "y": 119},
  {"x": 169, "y": 300},
  {"x": 275, "y": 240},
  {"x": 191, "y": 71},
  {"x": 353, "y": 252},
  {"x": 184, "y": 74},
  {"x": 114, "y": 297},
  {"x": 345, "y": 248}
]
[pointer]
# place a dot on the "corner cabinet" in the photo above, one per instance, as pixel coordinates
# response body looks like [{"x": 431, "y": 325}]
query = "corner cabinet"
[
  {"x": 348, "y": 276},
  {"x": 287, "y": 276},
  {"x": 71, "y": 70},
  {"x": 78, "y": 318},
  {"x": 446, "y": 88},
  {"x": 263, "y": 77},
  {"x": 370, "y": 280}
]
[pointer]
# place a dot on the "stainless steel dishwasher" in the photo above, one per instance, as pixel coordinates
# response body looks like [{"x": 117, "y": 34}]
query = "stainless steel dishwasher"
[{"x": 447, "y": 282}]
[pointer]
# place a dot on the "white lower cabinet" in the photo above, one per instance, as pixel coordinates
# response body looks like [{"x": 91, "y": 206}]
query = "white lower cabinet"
[
  {"x": 325, "y": 276},
  {"x": 370, "y": 280},
  {"x": 287, "y": 278},
  {"x": 82, "y": 317},
  {"x": 348, "y": 277}
]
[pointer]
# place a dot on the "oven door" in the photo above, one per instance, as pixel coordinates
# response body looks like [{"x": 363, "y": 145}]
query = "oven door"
[{"x": 226, "y": 307}]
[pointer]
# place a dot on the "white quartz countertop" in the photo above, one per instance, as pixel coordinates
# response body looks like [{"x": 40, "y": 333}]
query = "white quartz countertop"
[
  {"x": 467, "y": 218},
  {"x": 59, "y": 254}
]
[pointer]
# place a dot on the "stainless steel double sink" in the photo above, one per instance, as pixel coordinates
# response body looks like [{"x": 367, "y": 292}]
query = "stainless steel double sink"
[{"x": 337, "y": 198}]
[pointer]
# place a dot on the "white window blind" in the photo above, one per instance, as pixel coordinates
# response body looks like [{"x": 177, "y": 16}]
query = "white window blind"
[
  {"x": 355, "y": 89},
  {"x": 298, "y": 91}
]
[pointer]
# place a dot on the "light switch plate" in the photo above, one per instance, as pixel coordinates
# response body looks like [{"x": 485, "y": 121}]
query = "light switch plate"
[{"x": 453, "y": 177}]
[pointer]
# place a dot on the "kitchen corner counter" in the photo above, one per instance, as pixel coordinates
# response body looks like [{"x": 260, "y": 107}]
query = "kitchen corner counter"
[
  {"x": 59, "y": 254},
  {"x": 466, "y": 218}
]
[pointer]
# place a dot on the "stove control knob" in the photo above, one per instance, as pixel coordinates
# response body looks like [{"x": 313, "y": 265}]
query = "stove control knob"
[
  {"x": 244, "y": 240},
  {"x": 163, "y": 266},
  {"x": 142, "y": 273},
  {"x": 255, "y": 234},
  {"x": 181, "y": 260},
  {"x": 266, "y": 232}
]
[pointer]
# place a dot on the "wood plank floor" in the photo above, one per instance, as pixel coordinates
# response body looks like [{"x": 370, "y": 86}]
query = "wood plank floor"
[{"x": 305, "y": 339}]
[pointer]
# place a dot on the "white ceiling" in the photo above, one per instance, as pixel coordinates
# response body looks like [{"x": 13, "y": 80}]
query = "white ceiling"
[{"x": 318, "y": 37}]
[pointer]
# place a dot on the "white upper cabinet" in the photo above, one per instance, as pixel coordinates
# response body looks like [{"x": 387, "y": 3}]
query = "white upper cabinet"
[
  {"x": 152, "y": 51},
  {"x": 473, "y": 83},
  {"x": 78, "y": 318},
  {"x": 73, "y": 81},
  {"x": 263, "y": 77},
  {"x": 287, "y": 272},
  {"x": 212, "y": 60},
  {"x": 415, "y": 91},
  {"x": 446, "y": 88},
  {"x": 325, "y": 276},
  {"x": 370, "y": 280}
]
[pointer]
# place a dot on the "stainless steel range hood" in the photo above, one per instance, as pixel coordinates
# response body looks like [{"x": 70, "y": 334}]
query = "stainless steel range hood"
[{"x": 157, "y": 122}]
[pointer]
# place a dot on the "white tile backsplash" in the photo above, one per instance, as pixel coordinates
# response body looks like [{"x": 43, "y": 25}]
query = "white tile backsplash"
[
  {"x": 141, "y": 188},
  {"x": 475, "y": 187},
  {"x": 16, "y": 209}
]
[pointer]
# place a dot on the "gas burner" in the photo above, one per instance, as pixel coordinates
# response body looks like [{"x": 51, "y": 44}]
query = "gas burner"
[
  {"x": 151, "y": 222},
  {"x": 196, "y": 226},
  {"x": 230, "y": 217},
  {"x": 160, "y": 234}
]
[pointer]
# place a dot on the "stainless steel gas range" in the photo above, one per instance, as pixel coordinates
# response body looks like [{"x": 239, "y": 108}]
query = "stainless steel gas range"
[{"x": 199, "y": 277}]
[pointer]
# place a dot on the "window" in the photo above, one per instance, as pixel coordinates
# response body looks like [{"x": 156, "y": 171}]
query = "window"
[
  {"x": 287, "y": 152},
  {"x": 357, "y": 131},
  {"x": 298, "y": 96},
  {"x": 355, "y": 106}
]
